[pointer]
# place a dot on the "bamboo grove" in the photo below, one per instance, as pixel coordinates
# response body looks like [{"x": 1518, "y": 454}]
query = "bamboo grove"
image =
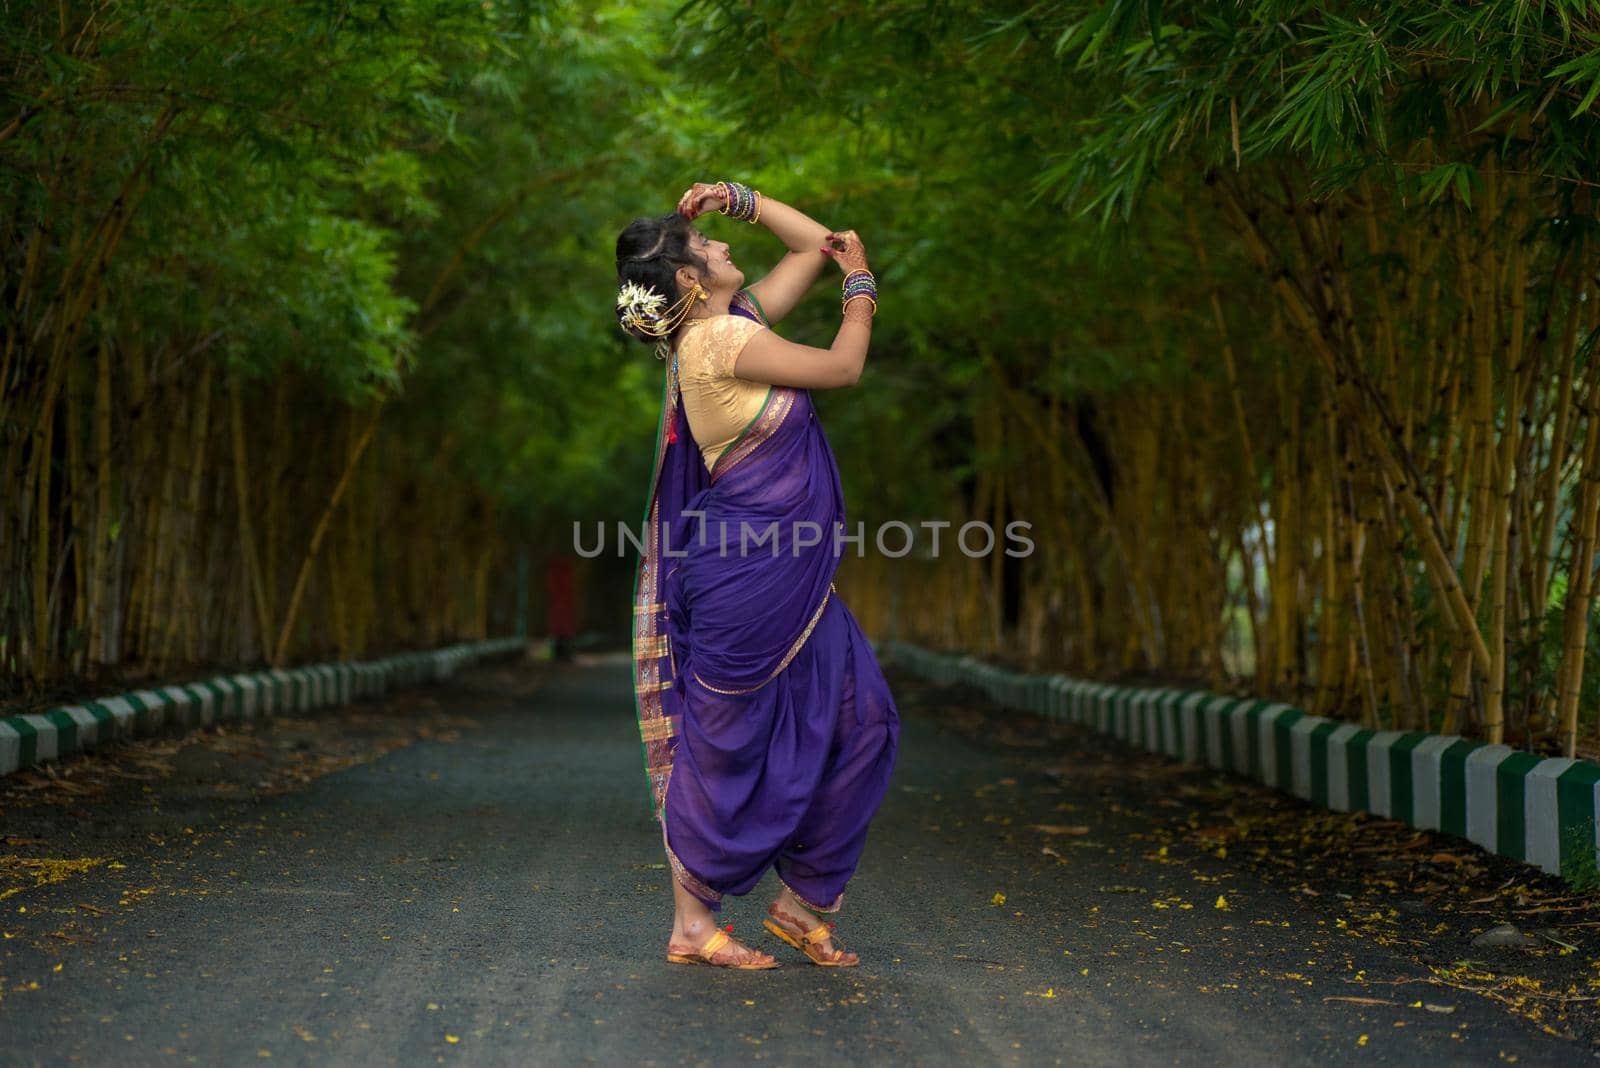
[
  {"x": 1279, "y": 327},
  {"x": 251, "y": 344},
  {"x": 1276, "y": 321}
]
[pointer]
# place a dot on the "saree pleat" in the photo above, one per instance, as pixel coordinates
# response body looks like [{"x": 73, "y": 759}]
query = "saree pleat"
[{"x": 768, "y": 728}]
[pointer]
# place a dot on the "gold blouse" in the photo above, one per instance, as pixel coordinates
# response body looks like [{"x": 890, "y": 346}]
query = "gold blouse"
[{"x": 719, "y": 406}]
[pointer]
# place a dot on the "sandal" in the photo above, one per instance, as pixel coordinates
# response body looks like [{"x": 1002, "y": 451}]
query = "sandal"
[
  {"x": 808, "y": 943},
  {"x": 704, "y": 954}
]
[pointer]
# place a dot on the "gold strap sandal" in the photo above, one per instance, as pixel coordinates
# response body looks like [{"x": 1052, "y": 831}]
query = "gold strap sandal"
[
  {"x": 809, "y": 942},
  {"x": 704, "y": 954}
]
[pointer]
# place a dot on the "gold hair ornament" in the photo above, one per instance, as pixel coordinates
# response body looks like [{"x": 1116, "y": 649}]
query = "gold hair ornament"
[{"x": 640, "y": 309}]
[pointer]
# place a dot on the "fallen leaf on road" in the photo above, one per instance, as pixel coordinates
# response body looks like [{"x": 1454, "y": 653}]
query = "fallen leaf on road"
[
  {"x": 1217, "y": 834},
  {"x": 998, "y": 899},
  {"x": 1075, "y": 830},
  {"x": 33, "y": 872}
]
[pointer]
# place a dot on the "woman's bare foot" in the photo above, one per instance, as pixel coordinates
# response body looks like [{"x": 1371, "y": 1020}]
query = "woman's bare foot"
[
  {"x": 689, "y": 934},
  {"x": 693, "y": 925},
  {"x": 787, "y": 912}
]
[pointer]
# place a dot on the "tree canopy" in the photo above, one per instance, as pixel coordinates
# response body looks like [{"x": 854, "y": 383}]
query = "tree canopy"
[{"x": 1274, "y": 319}]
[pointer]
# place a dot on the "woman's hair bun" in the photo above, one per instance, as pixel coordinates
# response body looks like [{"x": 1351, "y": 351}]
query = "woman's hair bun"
[{"x": 649, "y": 253}]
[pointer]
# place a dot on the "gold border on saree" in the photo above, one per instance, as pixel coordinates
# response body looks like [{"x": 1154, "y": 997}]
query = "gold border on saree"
[
  {"x": 780, "y": 400},
  {"x": 793, "y": 652},
  {"x": 838, "y": 902}
]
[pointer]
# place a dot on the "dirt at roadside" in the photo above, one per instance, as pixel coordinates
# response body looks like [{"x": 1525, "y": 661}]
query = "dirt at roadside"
[
  {"x": 146, "y": 788},
  {"x": 1451, "y": 920}
]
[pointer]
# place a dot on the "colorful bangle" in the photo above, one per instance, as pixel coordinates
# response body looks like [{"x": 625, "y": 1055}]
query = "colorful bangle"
[
  {"x": 740, "y": 201},
  {"x": 860, "y": 284}
]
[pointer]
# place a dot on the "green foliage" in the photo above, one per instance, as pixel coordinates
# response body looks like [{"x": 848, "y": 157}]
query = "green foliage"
[
  {"x": 1580, "y": 868},
  {"x": 392, "y": 198},
  {"x": 416, "y": 201}
]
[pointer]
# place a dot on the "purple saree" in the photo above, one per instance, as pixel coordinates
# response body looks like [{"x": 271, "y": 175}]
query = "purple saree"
[{"x": 769, "y": 731}]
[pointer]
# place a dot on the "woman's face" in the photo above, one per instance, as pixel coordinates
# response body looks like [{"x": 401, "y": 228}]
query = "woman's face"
[{"x": 722, "y": 275}]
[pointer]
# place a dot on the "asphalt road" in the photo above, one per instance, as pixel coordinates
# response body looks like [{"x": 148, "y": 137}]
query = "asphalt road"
[{"x": 489, "y": 890}]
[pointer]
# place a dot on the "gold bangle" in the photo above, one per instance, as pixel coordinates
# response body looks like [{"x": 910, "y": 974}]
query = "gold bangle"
[{"x": 845, "y": 311}]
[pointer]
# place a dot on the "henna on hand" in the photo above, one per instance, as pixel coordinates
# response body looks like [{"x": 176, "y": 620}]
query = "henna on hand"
[
  {"x": 699, "y": 199},
  {"x": 845, "y": 249},
  {"x": 859, "y": 310}
]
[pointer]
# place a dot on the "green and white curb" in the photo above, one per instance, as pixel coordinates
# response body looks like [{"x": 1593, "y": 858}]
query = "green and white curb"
[
  {"x": 1542, "y": 811},
  {"x": 34, "y": 738}
]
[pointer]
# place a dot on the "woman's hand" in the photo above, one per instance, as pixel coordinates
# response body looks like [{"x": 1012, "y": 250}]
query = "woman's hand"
[
  {"x": 845, "y": 249},
  {"x": 701, "y": 198}
]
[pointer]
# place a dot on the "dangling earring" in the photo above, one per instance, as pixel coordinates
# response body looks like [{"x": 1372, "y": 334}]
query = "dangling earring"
[{"x": 700, "y": 294}]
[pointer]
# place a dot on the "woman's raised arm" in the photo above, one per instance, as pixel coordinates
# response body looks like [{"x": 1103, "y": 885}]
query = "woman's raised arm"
[
  {"x": 785, "y": 284},
  {"x": 766, "y": 357}
]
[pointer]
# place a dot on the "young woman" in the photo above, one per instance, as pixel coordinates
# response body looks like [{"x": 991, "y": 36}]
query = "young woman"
[{"x": 768, "y": 729}]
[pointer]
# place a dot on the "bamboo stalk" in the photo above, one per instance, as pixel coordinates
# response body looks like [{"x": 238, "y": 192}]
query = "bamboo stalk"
[
  {"x": 187, "y": 592},
  {"x": 1330, "y": 630},
  {"x": 1575, "y": 629},
  {"x": 1289, "y": 545},
  {"x": 1501, "y": 565},
  {"x": 338, "y": 599},
  {"x": 274, "y": 536},
  {"x": 1551, "y": 484},
  {"x": 247, "y": 536},
  {"x": 996, "y": 520},
  {"x": 44, "y": 438},
  {"x": 160, "y": 515},
  {"x": 100, "y": 529},
  {"x": 298, "y": 592},
  {"x": 77, "y": 501}
]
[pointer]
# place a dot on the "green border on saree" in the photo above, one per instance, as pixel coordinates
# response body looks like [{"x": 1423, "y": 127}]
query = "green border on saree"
[{"x": 638, "y": 575}]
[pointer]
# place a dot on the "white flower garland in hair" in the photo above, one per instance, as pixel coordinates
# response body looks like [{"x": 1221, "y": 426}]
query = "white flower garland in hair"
[{"x": 639, "y": 306}]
